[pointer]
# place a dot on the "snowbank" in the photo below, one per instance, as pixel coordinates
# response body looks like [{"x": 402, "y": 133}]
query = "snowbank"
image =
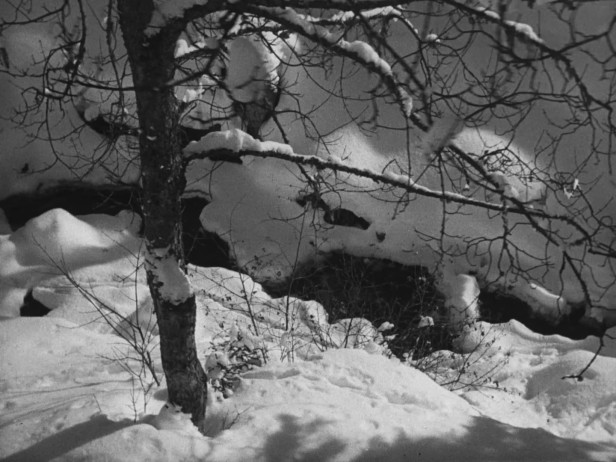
[
  {"x": 273, "y": 220},
  {"x": 66, "y": 393},
  {"x": 97, "y": 251},
  {"x": 340, "y": 405}
]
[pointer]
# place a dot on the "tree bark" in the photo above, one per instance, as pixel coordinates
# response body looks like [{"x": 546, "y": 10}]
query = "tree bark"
[{"x": 163, "y": 182}]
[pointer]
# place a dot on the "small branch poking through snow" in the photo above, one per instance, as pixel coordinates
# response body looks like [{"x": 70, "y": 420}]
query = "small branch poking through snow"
[{"x": 580, "y": 375}]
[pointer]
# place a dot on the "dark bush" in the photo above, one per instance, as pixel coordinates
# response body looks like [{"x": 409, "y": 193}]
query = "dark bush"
[{"x": 380, "y": 291}]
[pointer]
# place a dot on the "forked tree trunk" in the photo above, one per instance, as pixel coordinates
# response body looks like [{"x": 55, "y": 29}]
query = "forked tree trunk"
[{"x": 162, "y": 182}]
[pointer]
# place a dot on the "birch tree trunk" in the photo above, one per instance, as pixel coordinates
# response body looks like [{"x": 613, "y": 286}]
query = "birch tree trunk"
[{"x": 162, "y": 184}]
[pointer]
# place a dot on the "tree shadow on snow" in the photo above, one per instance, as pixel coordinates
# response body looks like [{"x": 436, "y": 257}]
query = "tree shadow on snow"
[
  {"x": 485, "y": 440},
  {"x": 68, "y": 439},
  {"x": 283, "y": 445}
]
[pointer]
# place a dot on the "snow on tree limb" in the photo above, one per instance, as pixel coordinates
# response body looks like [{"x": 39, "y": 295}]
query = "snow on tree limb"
[
  {"x": 342, "y": 5},
  {"x": 231, "y": 144},
  {"x": 523, "y": 31},
  {"x": 167, "y": 11},
  {"x": 358, "y": 51},
  {"x": 382, "y": 12},
  {"x": 235, "y": 141}
]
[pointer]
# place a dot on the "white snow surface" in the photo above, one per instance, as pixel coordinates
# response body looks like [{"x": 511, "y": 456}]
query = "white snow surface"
[
  {"x": 95, "y": 251},
  {"x": 64, "y": 399},
  {"x": 262, "y": 218}
]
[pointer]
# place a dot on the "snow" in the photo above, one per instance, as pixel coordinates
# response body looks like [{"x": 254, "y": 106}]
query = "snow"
[
  {"x": 525, "y": 30},
  {"x": 25, "y": 141},
  {"x": 56, "y": 245},
  {"x": 234, "y": 140},
  {"x": 407, "y": 103},
  {"x": 257, "y": 192},
  {"x": 367, "y": 54},
  {"x": 403, "y": 179},
  {"x": 64, "y": 397},
  {"x": 385, "y": 326},
  {"x": 425, "y": 321},
  {"x": 462, "y": 295},
  {"x": 252, "y": 67},
  {"x": 432, "y": 38},
  {"x": 532, "y": 391},
  {"x": 440, "y": 134},
  {"x": 171, "y": 417},
  {"x": 173, "y": 285},
  {"x": 519, "y": 165},
  {"x": 383, "y": 12},
  {"x": 263, "y": 222}
]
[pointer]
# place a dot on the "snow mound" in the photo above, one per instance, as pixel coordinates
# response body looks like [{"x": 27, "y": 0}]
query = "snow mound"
[
  {"x": 67, "y": 393},
  {"x": 171, "y": 417},
  {"x": 94, "y": 250},
  {"x": 534, "y": 384},
  {"x": 343, "y": 405}
]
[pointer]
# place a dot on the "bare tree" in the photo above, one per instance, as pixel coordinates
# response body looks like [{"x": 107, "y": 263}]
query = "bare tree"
[{"x": 422, "y": 57}]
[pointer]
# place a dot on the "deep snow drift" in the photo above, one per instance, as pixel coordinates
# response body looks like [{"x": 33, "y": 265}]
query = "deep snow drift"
[{"x": 64, "y": 397}]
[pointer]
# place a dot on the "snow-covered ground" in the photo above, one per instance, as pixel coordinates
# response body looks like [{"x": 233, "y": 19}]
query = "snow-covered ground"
[{"x": 64, "y": 397}]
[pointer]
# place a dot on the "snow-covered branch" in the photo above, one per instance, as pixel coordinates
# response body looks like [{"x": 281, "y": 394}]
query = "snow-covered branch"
[
  {"x": 341, "y": 5},
  {"x": 234, "y": 144},
  {"x": 358, "y": 51},
  {"x": 525, "y": 33}
]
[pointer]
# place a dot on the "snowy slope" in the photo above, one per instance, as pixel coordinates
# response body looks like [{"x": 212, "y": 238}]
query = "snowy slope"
[{"x": 64, "y": 398}]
